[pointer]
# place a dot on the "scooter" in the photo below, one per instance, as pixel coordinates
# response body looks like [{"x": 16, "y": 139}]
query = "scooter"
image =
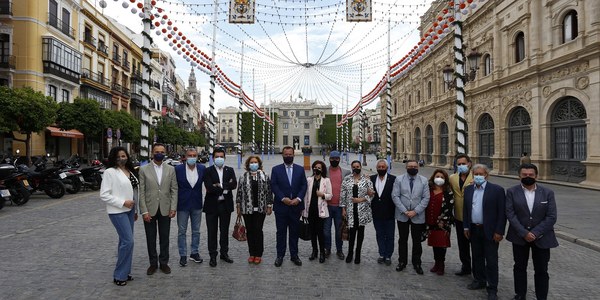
[
  {"x": 70, "y": 176},
  {"x": 47, "y": 179},
  {"x": 14, "y": 186}
]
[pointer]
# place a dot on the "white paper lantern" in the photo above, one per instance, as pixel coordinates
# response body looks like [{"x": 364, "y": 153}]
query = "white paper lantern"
[{"x": 125, "y": 4}]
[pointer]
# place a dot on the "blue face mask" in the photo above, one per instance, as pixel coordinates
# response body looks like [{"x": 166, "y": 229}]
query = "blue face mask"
[
  {"x": 159, "y": 156},
  {"x": 253, "y": 167},
  {"x": 479, "y": 179},
  {"x": 191, "y": 161},
  {"x": 463, "y": 169},
  {"x": 219, "y": 161}
]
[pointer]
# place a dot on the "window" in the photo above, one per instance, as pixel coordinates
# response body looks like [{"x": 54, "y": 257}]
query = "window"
[
  {"x": 569, "y": 26},
  {"x": 429, "y": 90},
  {"x": 285, "y": 114},
  {"x": 286, "y": 125},
  {"x": 409, "y": 101},
  {"x": 443, "y": 142},
  {"x": 60, "y": 59},
  {"x": 429, "y": 145},
  {"x": 53, "y": 13},
  {"x": 306, "y": 113},
  {"x": 306, "y": 125},
  {"x": 418, "y": 96},
  {"x": 520, "y": 47},
  {"x": 486, "y": 140},
  {"x": 519, "y": 136},
  {"x": 306, "y": 140},
  {"x": 285, "y": 140},
  {"x": 395, "y": 107},
  {"x": 66, "y": 23},
  {"x": 65, "y": 96},
  {"x": 418, "y": 142},
  {"x": 568, "y": 125},
  {"x": 52, "y": 91},
  {"x": 487, "y": 65}
]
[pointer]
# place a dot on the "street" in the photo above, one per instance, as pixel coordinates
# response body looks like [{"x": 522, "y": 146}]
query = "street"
[{"x": 66, "y": 248}]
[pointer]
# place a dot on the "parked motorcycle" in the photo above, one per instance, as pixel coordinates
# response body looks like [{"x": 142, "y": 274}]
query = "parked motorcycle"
[
  {"x": 46, "y": 179},
  {"x": 92, "y": 175},
  {"x": 14, "y": 186},
  {"x": 70, "y": 175}
]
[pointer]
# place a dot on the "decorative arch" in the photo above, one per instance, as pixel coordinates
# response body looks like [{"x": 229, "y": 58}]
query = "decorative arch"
[
  {"x": 519, "y": 135},
  {"x": 568, "y": 139}
]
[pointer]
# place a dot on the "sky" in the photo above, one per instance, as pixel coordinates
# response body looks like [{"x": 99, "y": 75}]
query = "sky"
[{"x": 295, "y": 48}]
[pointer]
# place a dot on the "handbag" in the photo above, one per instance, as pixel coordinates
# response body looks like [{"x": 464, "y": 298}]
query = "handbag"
[
  {"x": 304, "y": 230},
  {"x": 438, "y": 238},
  {"x": 239, "y": 230},
  {"x": 344, "y": 229}
]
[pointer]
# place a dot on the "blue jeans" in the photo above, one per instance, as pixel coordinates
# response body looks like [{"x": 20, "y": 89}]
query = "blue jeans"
[
  {"x": 385, "y": 231},
  {"x": 195, "y": 215},
  {"x": 335, "y": 214},
  {"x": 123, "y": 223}
]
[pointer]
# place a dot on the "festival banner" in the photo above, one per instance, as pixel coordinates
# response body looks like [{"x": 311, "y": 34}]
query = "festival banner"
[
  {"x": 358, "y": 11},
  {"x": 241, "y": 11}
]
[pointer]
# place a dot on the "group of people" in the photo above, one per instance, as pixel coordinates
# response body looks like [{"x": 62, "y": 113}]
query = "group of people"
[{"x": 424, "y": 208}]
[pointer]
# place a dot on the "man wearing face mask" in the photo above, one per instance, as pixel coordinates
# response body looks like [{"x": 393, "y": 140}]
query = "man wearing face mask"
[
  {"x": 484, "y": 222},
  {"x": 383, "y": 209},
  {"x": 458, "y": 182},
  {"x": 336, "y": 176},
  {"x": 288, "y": 183},
  {"x": 158, "y": 205},
  {"x": 219, "y": 181},
  {"x": 531, "y": 212},
  {"x": 411, "y": 196},
  {"x": 189, "y": 205}
]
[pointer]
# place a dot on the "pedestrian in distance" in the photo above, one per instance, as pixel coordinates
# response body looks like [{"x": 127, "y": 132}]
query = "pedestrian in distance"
[
  {"x": 383, "y": 209},
  {"x": 336, "y": 176},
  {"x": 190, "y": 176},
  {"x": 439, "y": 218},
  {"x": 459, "y": 181},
  {"x": 525, "y": 159},
  {"x": 158, "y": 205},
  {"x": 531, "y": 213},
  {"x": 119, "y": 190},
  {"x": 254, "y": 202},
  {"x": 318, "y": 192}
]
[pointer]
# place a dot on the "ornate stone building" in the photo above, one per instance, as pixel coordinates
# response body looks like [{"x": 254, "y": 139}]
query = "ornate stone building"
[{"x": 536, "y": 89}]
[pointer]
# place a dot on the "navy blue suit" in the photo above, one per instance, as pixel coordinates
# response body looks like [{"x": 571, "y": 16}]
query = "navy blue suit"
[
  {"x": 188, "y": 197},
  {"x": 288, "y": 216}
]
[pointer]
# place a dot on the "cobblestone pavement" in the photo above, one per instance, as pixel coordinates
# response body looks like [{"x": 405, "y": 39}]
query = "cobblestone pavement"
[{"x": 66, "y": 249}]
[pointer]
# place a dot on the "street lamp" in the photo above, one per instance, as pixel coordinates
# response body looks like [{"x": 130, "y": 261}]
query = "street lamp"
[{"x": 473, "y": 58}]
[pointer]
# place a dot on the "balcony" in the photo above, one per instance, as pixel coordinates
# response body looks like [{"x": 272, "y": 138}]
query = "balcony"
[
  {"x": 136, "y": 75},
  {"x": 116, "y": 59},
  {"x": 5, "y": 8},
  {"x": 115, "y": 87},
  {"x": 102, "y": 49},
  {"x": 7, "y": 62},
  {"x": 156, "y": 84},
  {"x": 89, "y": 40},
  {"x": 125, "y": 64},
  {"x": 62, "y": 26},
  {"x": 86, "y": 74},
  {"x": 126, "y": 92}
]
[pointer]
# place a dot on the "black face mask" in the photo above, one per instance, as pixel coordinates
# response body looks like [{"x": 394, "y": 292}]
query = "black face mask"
[
  {"x": 381, "y": 172},
  {"x": 317, "y": 172},
  {"x": 334, "y": 163},
  {"x": 412, "y": 172},
  {"x": 288, "y": 160},
  {"x": 356, "y": 171},
  {"x": 528, "y": 181}
]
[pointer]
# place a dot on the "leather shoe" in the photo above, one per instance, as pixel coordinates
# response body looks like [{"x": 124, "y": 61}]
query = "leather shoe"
[
  {"x": 226, "y": 259},
  {"x": 278, "y": 261},
  {"x": 340, "y": 255},
  {"x": 380, "y": 260},
  {"x": 322, "y": 258},
  {"x": 165, "y": 269},
  {"x": 327, "y": 253},
  {"x": 418, "y": 269},
  {"x": 297, "y": 261},
  {"x": 475, "y": 285},
  {"x": 518, "y": 297},
  {"x": 151, "y": 270},
  {"x": 400, "y": 267},
  {"x": 313, "y": 256},
  {"x": 388, "y": 262},
  {"x": 492, "y": 296},
  {"x": 463, "y": 272},
  {"x": 213, "y": 262}
]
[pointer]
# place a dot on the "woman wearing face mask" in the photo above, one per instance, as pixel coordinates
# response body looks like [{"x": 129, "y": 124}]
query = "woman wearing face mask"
[
  {"x": 356, "y": 204},
  {"x": 318, "y": 191},
  {"x": 254, "y": 202},
  {"x": 119, "y": 190},
  {"x": 439, "y": 218}
]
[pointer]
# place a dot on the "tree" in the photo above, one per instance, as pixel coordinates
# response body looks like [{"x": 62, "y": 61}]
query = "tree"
[
  {"x": 84, "y": 115},
  {"x": 129, "y": 126},
  {"x": 26, "y": 111},
  {"x": 326, "y": 133},
  {"x": 247, "y": 128}
]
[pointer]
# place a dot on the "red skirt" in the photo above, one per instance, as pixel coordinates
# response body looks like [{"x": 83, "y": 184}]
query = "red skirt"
[{"x": 438, "y": 238}]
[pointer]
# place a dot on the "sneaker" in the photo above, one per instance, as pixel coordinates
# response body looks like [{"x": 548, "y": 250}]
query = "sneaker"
[
  {"x": 196, "y": 258},
  {"x": 183, "y": 261}
]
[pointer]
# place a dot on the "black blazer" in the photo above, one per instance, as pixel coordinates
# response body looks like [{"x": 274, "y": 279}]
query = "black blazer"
[
  {"x": 211, "y": 200},
  {"x": 494, "y": 209},
  {"x": 383, "y": 208}
]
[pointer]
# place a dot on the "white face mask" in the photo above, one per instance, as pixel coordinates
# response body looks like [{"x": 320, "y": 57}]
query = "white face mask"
[{"x": 439, "y": 181}]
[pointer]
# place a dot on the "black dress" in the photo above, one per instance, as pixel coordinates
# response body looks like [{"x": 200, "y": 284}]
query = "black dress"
[{"x": 355, "y": 205}]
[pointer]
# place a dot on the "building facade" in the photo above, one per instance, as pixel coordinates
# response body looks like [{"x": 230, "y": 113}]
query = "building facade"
[
  {"x": 227, "y": 127},
  {"x": 535, "y": 89}
]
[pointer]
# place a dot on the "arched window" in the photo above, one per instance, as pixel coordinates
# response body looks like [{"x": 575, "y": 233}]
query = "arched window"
[
  {"x": 409, "y": 101},
  {"x": 569, "y": 26},
  {"x": 486, "y": 140},
  {"x": 569, "y": 140},
  {"x": 230, "y": 130},
  {"x": 429, "y": 90},
  {"x": 520, "y": 47},
  {"x": 418, "y": 143},
  {"x": 395, "y": 107},
  {"x": 429, "y": 145},
  {"x": 519, "y": 136},
  {"x": 418, "y": 96},
  {"x": 444, "y": 146},
  {"x": 487, "y": 65}
]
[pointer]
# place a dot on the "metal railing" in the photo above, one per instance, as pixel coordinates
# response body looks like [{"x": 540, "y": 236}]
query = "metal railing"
[
  {"x": 61, "y": 25},
  {"x": 102, "y": 48},
  {"x": 89, "y": 39},
  {"x": 116, "y": 59},
  {"x": 126, "y": 92},
  {"x": 125, "y": 64},
  {"x": 93, "y": 76},
  {"x": 116, "y": 87},
  {"x": 8, "y": 61}
]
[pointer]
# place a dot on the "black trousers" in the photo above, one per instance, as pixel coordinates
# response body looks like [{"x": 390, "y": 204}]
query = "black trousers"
[
  {"x": 416, "y": 230},
  {"x": 163, "y": 223},
  {"x": 439, "y": 254},
  {"x": 352, "y": 237},
  {"x": 464, "y": 249},
  {"x": 540, "y": 258},
  {"x": 254, "y": 232},
  {"x": 317, "y": 234},
  {"x": 485, "y": 259},
  {"x": 218, "y": 221}
]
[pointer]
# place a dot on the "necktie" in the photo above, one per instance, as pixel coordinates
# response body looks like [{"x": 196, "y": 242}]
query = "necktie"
[
  {"x": 412, "y": 180},
  {"x": 289, "y": 174}
]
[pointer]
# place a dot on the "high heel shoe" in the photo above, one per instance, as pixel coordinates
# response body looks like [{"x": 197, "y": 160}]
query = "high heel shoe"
[
  {"x": 349, "y": 256},
  {"x": 322, "y": 258},
  {"x": 313, "y": 256}
]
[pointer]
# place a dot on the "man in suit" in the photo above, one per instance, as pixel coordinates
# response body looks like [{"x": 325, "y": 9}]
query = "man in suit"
[
  {"x": 383, "y": 208},
  {"x": 484, "y": 224},
  {"x": 189, "y": 205},
  {"x": 336, "y": 175},
  {"x": 158, "y": 205},
  {"x": 458, "y": 182},
  {"x": 410, "y": 196},
  {"x": 531, "y": 212},
  {"x": 288, "y": 183},
  {"x": 219, "y": 181}
]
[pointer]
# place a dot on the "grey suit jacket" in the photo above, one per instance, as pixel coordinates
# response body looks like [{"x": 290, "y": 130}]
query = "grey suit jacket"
[
  {"x": 540, "y": 221},
  {"x": 405, "y": 200},
  {"x": 153, "y": 196}
]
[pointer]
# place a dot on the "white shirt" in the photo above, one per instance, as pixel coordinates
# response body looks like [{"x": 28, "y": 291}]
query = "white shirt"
[
  {"x": 380, "y": 184},
  {"x": 530, "y": 197},
  {"x": 220, "y": 173},
  {"x": 477, "y": 206},
  {"x": 158, "y": 169},
  {"x": 191, "y": 175}
]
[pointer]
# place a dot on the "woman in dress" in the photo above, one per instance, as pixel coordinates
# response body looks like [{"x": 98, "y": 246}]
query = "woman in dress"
[
  {"x": 439, "y": 218},
  {"x": 119, "y": 190},
  {"x": 254, "y": 203},
  {"x": 318, "y": 192},
  {"x": 355, "y": 201}
]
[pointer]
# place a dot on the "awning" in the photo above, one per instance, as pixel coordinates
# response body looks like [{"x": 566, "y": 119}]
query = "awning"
[{"x": 73, "y": 133}]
